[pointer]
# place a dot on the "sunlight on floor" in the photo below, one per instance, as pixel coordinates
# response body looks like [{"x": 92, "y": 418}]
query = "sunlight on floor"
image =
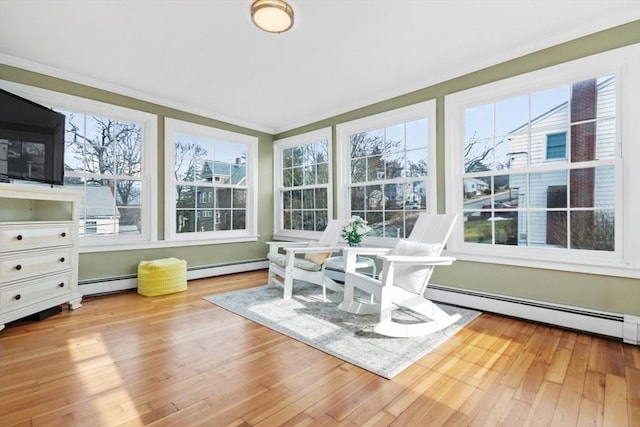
[{"x": 102, "y": 381}]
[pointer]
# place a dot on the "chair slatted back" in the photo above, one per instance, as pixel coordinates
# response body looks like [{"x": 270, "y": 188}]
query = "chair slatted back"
[
  {"x": 331, "y": 234},
  {"x": 432, "y": 229}
]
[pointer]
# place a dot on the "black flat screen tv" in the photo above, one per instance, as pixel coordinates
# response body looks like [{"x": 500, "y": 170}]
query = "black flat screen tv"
[{"x": 31, "y": 141}]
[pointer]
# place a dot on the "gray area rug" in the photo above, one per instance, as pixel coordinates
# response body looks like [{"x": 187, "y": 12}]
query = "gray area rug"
[{"x": 322, "y": 325}]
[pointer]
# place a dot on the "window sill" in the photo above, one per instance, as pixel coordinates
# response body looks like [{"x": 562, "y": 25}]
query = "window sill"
[{"x": 608, "y": 268}]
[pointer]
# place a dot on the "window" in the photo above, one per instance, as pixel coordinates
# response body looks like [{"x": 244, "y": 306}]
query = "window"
[
  {"x": 211, "y": 183},
  {"x": 387, "y": 169},
  {"x": 302, "y": 194},
  {"x": 557, "y": 145},
  {"x": 502, "y": 139},
  {"x": 108, "y": 156},
  {"x": 103, "y": 157}
]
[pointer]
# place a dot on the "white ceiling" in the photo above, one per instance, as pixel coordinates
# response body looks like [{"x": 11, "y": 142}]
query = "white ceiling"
[{"x": 207, "y": 56}]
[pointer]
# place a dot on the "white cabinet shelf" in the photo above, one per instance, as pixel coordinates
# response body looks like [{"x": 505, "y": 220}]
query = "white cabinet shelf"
[{"x": 38, "y": 249}]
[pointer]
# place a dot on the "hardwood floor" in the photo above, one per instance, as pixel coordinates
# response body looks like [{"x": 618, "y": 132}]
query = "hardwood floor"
[{"x": 128, "y": 360}]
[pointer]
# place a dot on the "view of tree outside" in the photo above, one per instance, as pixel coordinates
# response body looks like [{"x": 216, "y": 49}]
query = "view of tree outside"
[
  {"x": 103, "y": 156},
  {"x": 211, "y": 184},
  {"x": 305, "y": 182},
  {"x": 540, "y": 168},
  {"x": 388, "y": 185}
]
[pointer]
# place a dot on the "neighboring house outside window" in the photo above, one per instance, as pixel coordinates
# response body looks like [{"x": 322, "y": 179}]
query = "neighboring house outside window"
[
  {"x": 211, "y": 181},
  {"x": 387, "y": 169},
  {"x": 302, "y": 193},
  {"x": 551, "y": 159}
]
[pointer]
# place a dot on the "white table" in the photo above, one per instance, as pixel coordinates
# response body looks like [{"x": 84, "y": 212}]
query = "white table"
[{"x": 334, "y": 267}]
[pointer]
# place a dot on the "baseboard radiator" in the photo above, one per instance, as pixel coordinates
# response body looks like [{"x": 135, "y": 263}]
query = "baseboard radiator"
[
  {"x": 623, "y": 326},
  {"x": 108, "y": 285}
]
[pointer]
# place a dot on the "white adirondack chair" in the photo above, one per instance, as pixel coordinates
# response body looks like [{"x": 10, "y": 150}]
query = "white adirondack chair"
[
  {"x": 406, "y": 270},
  {"x": 286, "y": 261}
]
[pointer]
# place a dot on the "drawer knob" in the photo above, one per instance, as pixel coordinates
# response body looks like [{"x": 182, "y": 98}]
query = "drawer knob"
[
  {"x": 18, "y": 267},
  {"x": 62, "y": 259},
  {"x": 63, "y": 234},
  {"x": 61, "y": 285},
  {"x": 17, "y": 297},
  {"x": 19, "y": 237}
]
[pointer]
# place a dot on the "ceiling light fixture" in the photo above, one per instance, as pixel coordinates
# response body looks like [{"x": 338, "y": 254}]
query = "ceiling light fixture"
[{"x": 273, "y": 16}]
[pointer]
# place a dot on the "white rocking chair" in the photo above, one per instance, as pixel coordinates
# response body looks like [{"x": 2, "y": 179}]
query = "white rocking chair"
[
  {"x": 286, "y": 262},
  {"x": 406, "y": 270}
]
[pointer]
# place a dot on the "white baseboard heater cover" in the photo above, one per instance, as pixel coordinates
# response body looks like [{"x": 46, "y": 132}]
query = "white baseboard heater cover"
[
  {"x": 115, "y": 284},
  {"x": 624, "y": 326}
]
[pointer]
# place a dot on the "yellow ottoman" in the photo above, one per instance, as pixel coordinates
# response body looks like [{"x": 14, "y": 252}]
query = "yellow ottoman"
[{"x": 162, "y": 276}]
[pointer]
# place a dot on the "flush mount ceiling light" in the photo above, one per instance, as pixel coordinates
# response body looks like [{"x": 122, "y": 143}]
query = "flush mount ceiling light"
[{"x": 273, "y": 16}]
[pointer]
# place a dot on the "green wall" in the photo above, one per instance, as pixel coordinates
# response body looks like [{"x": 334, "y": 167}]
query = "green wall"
[
  {"x": 590, "y": 291},
  {"x": 110, "y": 264},
  {"x": 605, "y": 293}
]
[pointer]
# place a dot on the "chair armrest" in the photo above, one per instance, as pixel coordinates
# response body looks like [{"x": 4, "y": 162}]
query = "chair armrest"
[
  {"x": 365, "y": 251},
  {"x": 292, "y": 244},
  {"x": 419, "y": 260},
  {"x": 313, "y": 249}
]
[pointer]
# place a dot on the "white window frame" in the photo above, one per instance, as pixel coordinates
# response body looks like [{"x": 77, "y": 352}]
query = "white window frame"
[
  {"x": 250, "y": 233},
  {"x": 278, "y": 147},
  {"x": 149, "y": 126},
  {"x": 625, "y": 260},
  {"x": 422, "y": 110}
]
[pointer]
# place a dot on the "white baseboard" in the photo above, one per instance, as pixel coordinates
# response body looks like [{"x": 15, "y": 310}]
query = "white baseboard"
[
  {"x": 115, "y": 284},
  {"x": 624, "y": 326}
]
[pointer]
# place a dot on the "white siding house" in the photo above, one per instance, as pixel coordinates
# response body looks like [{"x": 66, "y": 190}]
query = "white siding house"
[{"x": 544, "y": 146}]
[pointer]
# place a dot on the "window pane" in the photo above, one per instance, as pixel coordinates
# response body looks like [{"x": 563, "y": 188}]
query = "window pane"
[
  {"x": 546, "y": 189},
  {"x": 511, "y": 114},
  {"x": 185, "y": 196},
  {"x": 222, "y": 220},
  {"x": 394, "y": 136},
  {"x": 297, "y": 175},
  {"x": 205, "y": 220},
  {"x": 478, "y": 155},
  {"x": 358, "y": 170},
  {"x": 128, "y": 149},
  {"x": 593, "y": 230},
  {"x": 375, "y": 197},
  {"x": 296, "y": 199},
  {"x": 239, "y": 198},
  {"x": 593, "y": 187},
  {"x": 357, "y": 199},
  {"x": 416, "y": 163},
  {"x": 479, "y": 123},
  {"x": 417, "y": 134},
  {"x": 308, "y": 220},
  {"x": 287, "y": 157},
  {"x": 375, "y": 168},
  {"x": 309, "y": 175},
  {"x": 308, "y": 198},
  {"x": 223, "y": 198},
  {"x": 185, "y": 221},
  {"x": 367, "y": 143},
  {"x": 287, "y": 178},
  {"x": 239, "y": 219},
  {"x": 128, "y": 193},
  {"x": 323, "y": 173}
]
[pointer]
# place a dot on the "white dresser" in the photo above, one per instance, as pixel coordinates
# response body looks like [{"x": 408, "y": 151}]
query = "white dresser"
[{"x": 38, "y": 249}]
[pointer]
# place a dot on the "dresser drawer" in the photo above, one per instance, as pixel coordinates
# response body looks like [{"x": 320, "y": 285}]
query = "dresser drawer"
[
  {"x": 32, "y": 263},
  {"x": 26, "y": 236},
  {"x": 16, "y": 296}
]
